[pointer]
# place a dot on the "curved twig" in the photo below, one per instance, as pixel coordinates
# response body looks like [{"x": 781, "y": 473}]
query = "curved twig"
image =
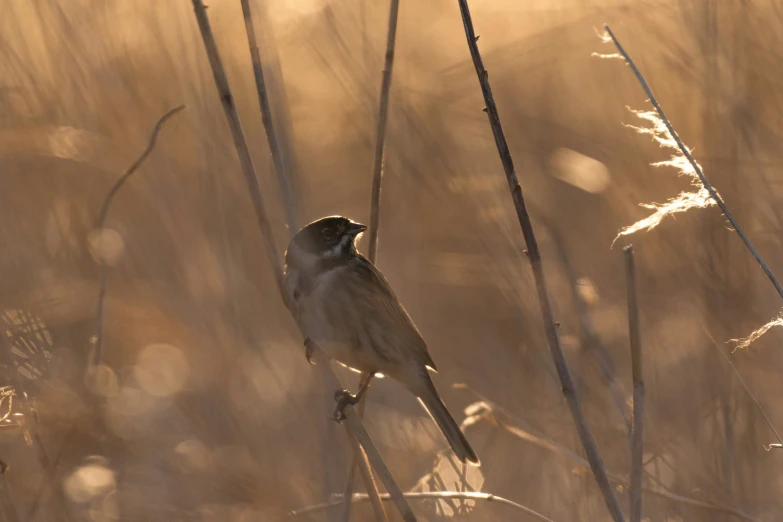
[{"x": 97, "y": 354}]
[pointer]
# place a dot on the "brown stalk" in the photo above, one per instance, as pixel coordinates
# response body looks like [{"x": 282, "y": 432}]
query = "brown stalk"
[
  {"x": 283, "y": 176},
  {"x": 375, "y": 198},
  {"x": 534, "y": 255},
  {"x": 248, "y": 169},
  {"x": 354, "y": 425},
  {"x": 364, "y": 469},
  {"x": 591, "y": 342},
  {"x": 380, "y": 137},
  {"x": 637, "y": 434}
]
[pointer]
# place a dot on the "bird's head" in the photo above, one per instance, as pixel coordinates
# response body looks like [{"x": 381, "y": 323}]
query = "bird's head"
[{"x": 328, "y": 238}]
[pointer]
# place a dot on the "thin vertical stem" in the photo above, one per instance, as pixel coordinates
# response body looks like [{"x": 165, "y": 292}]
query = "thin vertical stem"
[
  {"x": 380, "y": 137},
  {"x": 235, "y": 125},
  {"x": 534, "y": 255},
  {"x": 248, "y": 169},
  {"x": 637, "y": 435},
  {"x": 283, "y": 176},
  {"x": 375, "y": 198}
]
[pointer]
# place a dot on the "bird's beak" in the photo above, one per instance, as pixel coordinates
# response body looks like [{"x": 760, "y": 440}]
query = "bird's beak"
[{"x": 356, "y": 228}]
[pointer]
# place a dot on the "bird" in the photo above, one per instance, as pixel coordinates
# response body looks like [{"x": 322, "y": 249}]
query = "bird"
[{"x": 346, "y": 308}]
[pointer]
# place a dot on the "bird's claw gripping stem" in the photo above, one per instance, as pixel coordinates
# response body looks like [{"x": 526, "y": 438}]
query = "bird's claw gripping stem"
[{"x": 343, "y": 398}]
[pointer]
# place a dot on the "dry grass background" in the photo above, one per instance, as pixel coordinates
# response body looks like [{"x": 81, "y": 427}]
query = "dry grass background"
[{"x": 210, "y": 411}]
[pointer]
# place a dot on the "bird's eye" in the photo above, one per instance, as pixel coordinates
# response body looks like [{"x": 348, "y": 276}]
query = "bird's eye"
[{"x": 328, "y": 233}]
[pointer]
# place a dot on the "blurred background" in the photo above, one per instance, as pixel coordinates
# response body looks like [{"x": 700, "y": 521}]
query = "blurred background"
[{"x": 206, "y": 409}]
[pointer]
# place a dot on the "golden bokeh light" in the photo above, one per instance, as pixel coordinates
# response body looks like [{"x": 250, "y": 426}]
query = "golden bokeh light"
[{"x": 161, "y": 370}]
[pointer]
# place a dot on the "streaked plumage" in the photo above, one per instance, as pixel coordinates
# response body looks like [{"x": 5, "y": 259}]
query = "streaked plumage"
[{"x": 345, "y": 305}]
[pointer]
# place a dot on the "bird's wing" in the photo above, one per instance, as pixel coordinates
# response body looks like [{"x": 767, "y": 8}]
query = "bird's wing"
[{"x": 382, "y": 313}]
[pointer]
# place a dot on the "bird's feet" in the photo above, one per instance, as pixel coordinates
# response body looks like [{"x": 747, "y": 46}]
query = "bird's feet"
[
  {"x": 343, "y": 398},
  {"x": 309, "y": 349}
]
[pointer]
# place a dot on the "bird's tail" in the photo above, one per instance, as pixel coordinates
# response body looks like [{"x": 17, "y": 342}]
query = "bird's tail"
[{"x": 437, "y": 410}]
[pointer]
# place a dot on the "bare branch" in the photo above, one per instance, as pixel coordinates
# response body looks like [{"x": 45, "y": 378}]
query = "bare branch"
[
  {"x": 534, "y": 255},
  {"x": 97, "y": 355},
  {"x": 428, "y": 495},
  {"x": 637, "y": 435}
]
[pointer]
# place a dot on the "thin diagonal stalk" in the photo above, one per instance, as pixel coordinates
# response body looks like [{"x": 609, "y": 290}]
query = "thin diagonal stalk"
[
  {"x": 375, "y": 198},
  {"x": 380, "y": 135},
  {"x": 283, "y": 176},
  {"x": 238, "y": 136},
  {"x": 354, "y": 424},
  {"x": 361, "y": 456},
  {"x": 534, "y": 255},
  {"x": 248, "y": 169},
  {"x": 591, "y": 342},
  {"x": 687, "y": 153},
  {"x": 426, "y": 495},
  {"x": 747, "y": 389},
  {"x": 637, "y": 435},
  {"x": 97, "y": 355}
]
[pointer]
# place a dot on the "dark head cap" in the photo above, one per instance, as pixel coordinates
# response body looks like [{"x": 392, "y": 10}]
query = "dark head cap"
[{"x": 325, "y": 235}]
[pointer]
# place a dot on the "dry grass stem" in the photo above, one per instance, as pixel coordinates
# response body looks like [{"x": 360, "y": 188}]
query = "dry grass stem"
[
  {"x": 283, "y": 176},
  {"x": 360, "y": 434},
  {"x": 361, "y": 461},
  {"x": 591, "y": 341},
  {"x": 428, "y": 495},
  {"x": 238, "y": 136},
  {"x": 375, "y": 197},
  {"x": 380, "y": 132},
  {"x": 248, "y": 169},
  {"x": 564, "y": 373},
  {"x": 750, "y": 393},
  {"x": 684, "y": 201},
  {"x": 637, "y": 435},
  {"x": 499, "y": 415},
  {"x": 704, "y": 182},
  {"x": 97, "y": 355}
]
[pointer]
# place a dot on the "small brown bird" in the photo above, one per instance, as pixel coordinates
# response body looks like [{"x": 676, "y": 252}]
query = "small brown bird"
[{"x": 346, "y": 307}]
